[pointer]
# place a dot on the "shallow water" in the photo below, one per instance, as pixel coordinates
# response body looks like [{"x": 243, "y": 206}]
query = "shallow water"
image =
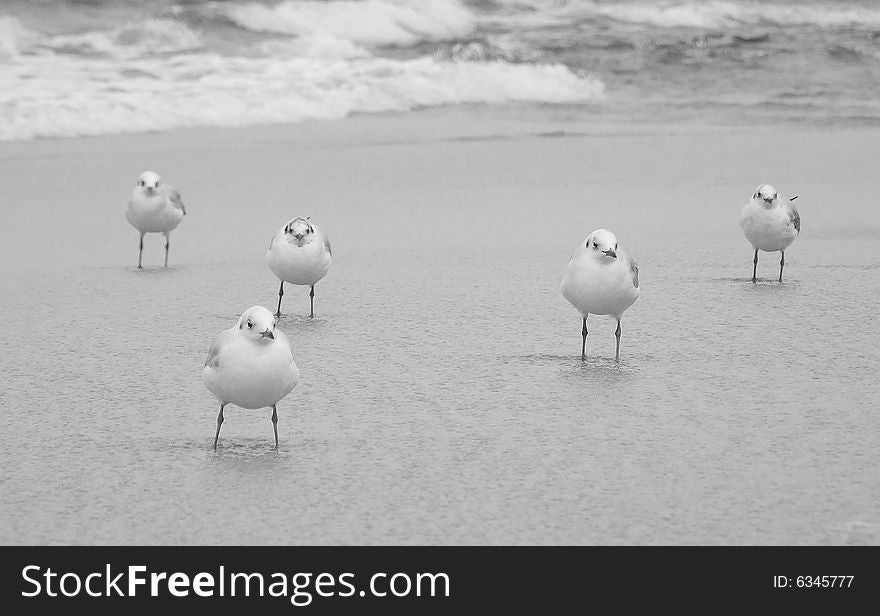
[{"x": 442, "y": 397}]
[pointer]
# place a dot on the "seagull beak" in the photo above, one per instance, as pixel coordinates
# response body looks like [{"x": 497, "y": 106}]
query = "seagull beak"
[
  {"x": 610, "y": 253},
  {"x": 792, "y": 198},
  {"x": 268, "y": 334}
]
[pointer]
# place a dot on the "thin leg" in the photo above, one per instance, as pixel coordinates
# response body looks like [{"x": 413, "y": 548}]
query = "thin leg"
[
  {"x": 219, "y": 423},
  {"x": 141, "y": 252},
  {"x": 275, "y": 424},
  {"x": 617, "y": 335},
  {"x": 280, "y": 295},
  {"x": 781, "y": 265},
  {"x": 312, "y": 301},
  {"x": 167, "y": 243},
  {"x": 755, "y": 271},
  {"x": 584, "y": 345}
]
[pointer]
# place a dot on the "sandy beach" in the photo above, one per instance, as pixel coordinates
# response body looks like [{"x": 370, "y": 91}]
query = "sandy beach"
[{"x": 443, "y": 400}]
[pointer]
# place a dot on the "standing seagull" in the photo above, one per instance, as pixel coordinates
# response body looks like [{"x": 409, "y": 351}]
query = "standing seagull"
[
  {"x": 299, "y": 254},
  {"x": 154, "y": 207},
  {"x": 770, "y": 222},
  {"x": 250, "y": 365},
  {"x": 601, "y": 279}
]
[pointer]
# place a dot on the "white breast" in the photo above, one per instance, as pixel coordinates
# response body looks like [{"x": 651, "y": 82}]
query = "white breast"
[
  {"x": 252, "y": 375},
  {"x": 152, "y": 214},
  {"x": 768, "y": 229},
  {"x": 304, "y": 265},
  {"x": 596, "y": 287}
]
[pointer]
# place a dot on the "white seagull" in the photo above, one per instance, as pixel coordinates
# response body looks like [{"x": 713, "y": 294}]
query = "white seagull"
[
  {"x": 154, "y": 207},
  {"x": 770, "y": 222},
  {"x": 601, "y": 279},
  {"x": 299, "y": 253},
  {"x": 250, "y": 365}
]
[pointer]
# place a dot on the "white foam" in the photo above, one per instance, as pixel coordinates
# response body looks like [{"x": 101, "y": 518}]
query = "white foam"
[
  {"x": 316, "y": 46},
  {"x": 690, "y": 13},
  {"x": 723, "y": 13},
  {"x": 148, "y": 37},
  {"x": 207, "y": 89},
  {"x": 151, "y": 36},
  {"x": 364, "y": 22},
  {"x": 13, "y": 35}
]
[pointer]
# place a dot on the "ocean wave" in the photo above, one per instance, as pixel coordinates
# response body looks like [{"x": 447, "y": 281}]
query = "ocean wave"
[
  {"x": 212, "y": 90},
  {"x": 853, "y": 54},
  {"x": 724, "y": 13},
  {"x": 694, "y": 13},
  {"x": 318, "y": 46},
  {"x": 125, "y": 66},
  {"x": 13, "y": 35},
  {"x": 149, "y": 37},
  {"x": 365, "y": 22}
]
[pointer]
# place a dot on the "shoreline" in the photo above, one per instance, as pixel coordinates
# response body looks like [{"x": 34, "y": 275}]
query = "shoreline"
[{"x": 468, "y": 121}]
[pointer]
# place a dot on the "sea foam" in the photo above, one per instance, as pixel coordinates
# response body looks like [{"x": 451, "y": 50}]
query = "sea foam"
[
  {"x": 368, "y": 22},
  {"x": 724, "y": 13},
  {"x": 319, "y": 60},
  {"x": 212, "y": 90}
]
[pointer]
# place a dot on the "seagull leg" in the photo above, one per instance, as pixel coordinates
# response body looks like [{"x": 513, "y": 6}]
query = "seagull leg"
[
  {"x": 617, "y": 335},
  {"x": 781, "y": 265},
  {"x": 584, "y": 345},
  {"x": 141, "y": 253},
  {"x": 167, "y": 243},
  {"x": 275, "y": 424},
  {"x": 219, "y": 423},
  {"x": 755, "y": 271},
  {"x": 312, "y": 301},
  {"x": 280, "y": 295}
]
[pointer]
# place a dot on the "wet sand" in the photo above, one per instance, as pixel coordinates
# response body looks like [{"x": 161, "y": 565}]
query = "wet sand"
[{"x": 442, "y": 398}]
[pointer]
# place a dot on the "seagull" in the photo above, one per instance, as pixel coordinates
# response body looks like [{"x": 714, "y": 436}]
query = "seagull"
[
  {"x": 299, "y": 253},
  {"x": 770, "y": 222},
  {"x": 601, "y": 279},
  {"x": 250, "y": 365},
  {"x": 154, "y": 207}
]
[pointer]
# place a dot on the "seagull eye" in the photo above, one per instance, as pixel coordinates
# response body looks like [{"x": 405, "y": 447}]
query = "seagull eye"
[
  {"x": 595, "y": 245},
  {"x": 250, "y": 325}
]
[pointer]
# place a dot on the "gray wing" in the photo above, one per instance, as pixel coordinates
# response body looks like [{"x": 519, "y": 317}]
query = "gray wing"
[
  {"x": 327, "y": 245},
  {"x": 175, "y": 198},
  {"x": 633, "y": 268},
  {"x": 280, "y": 337},
  {"x": 793, "y": 216},
  {"x": 213, "y": 360}
]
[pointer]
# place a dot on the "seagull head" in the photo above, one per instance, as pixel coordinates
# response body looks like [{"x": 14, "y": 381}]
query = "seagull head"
[
  {"x": 258, "y": 324},
  {"x": 602, "y": 244},
  {"x": 765, "y": 196},
  {"x": 149, "y": 182},
  {"x": 300, "y": 231}
]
